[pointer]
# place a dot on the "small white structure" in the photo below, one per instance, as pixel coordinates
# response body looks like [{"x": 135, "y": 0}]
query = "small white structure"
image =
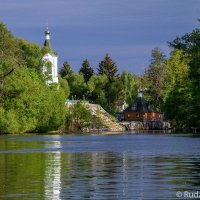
[{"x": 50, "y": 67}]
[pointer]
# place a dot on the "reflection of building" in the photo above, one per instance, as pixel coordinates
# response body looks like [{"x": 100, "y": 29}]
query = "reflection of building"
[
  {"x": 50, "y": 59},
  {"x": 53, "y": 172},
  {"x": 141, "y": 110}
]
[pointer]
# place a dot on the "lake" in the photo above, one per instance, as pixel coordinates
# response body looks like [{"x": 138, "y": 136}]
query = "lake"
[{"x": 126, "y": 166}]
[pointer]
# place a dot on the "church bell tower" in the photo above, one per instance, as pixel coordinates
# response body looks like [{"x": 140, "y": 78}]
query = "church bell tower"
[{"x": 50, "y": 66}]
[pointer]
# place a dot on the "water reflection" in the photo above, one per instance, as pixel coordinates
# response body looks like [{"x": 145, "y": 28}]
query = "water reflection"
[
  {"x": 54, "y": 173},
  {"x": 52, "y": 177}
]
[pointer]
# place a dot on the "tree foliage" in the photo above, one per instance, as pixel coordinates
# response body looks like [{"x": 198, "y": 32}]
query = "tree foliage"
[
  {"x": 86, "y": 70},
  {"x": 108, "y": 67},
  {"x": 154, "y": 79},
  {"x": 27, "y": 103},
  {"x": 78, "y": 117},
  {"x": 10, "y": 57},
  {"x": 189, "y": 44},
  {"x": 131, "y": 83},
  {"x": 31, "y": 54},
  {"x": 66, "y": 71},
  {"x": 33, "y": 106},
  {"x": 78, "y": 87}
]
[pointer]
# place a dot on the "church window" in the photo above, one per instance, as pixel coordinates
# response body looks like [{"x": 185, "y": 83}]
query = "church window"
[{"x": 49, "y": 67}]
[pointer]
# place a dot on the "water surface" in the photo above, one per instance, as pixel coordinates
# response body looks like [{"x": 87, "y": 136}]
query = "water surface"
[{"x": 126, "y": 166}]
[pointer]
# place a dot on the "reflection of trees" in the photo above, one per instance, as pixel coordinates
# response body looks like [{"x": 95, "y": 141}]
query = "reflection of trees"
[
  {"x": 185, "y": 172},
  {"x": 93, "y": 175},
  {"x": 21, "y": 174},
  {"x": 102, "y": 175},
  {"x": 179, "y": 173}
]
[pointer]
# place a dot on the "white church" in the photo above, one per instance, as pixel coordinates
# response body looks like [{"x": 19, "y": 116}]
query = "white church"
[{"x": 50, "y": 59}]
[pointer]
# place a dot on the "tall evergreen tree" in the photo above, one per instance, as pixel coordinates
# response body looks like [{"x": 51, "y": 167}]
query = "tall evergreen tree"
[
  {"x": 66, "y": 71},
  {"x": 157, "y": 57},
  {"x": 108, "y": 67},
  {"x": 154, "y": 79},
  {"x": 86, "y": 70}
]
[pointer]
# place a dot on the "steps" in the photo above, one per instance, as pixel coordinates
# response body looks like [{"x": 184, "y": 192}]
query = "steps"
[{"x": 107, "y": 121}]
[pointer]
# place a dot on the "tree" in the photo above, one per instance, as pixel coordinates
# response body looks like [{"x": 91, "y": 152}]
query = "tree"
[
  {"x": 178, "y": 95},
  {"x": 10, "y": 57},
  {"x": 78, "y": 87},
  {"x": 31, "y": 53},
  {"x": 86, "y": 70},
  {"x": 157, "y": 57},
  {"x": 97, "y": 86},
  {"x": 66, "y": 71},
  {"x": 154, "y": 79},
  {"x": 188, "y": 43},
  {"x": 114, "y": 92},
  {"x": 178, "y": 106},
  {"x": 131, "y": 83},
  {"x": 190, "y": 46},
  {"x": 63, "y": 85},
  {"x": 78, "y": 117},
  {"x": 29, "y": 104},
  {"x": 177, "y": 69},
  {"x": 108, "y": 67}
]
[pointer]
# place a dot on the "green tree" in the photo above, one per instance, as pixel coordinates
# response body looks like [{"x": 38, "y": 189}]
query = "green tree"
[
  {"x": 97, "y": 86},
  {"x": 178, "y": 95},
  {"x": 190, "y": 46},
  {"x": 31, "y": 104},
  {"x": 157, "y": 57},
  {"x": 131, "y": 83},
  {"x": 78, "y": 87},
  {"x": 154, "y": 79},
  {"x": 63, "y": 83},
  {"x": 178, "y": 107},
  {"x": 177, "y": 69},
  {"x": 10, "y": 57},
  {"x": 78, "y": 117},
  {"x": 86, "y": 70},
  {"x": 66, "y": 71},
  {"x": 114, "y": 92},
  {"x": 31, "y": 53},
  {"x": 108, "y": 67}
]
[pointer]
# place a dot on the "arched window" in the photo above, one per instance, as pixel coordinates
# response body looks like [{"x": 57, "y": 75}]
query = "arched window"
[{"x": 48, "y": 67}]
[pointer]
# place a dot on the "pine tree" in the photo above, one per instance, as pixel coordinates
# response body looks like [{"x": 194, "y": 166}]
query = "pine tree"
[
  {"x": 108, "y": 67},
  {"x": 86, "y": 70},
  {"x": 155, "y": 77},
  {"x": 66, "y": 71}
]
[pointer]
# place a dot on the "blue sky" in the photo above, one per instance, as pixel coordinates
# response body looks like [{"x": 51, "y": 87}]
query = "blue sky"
[{"x": 126, "y": 29}]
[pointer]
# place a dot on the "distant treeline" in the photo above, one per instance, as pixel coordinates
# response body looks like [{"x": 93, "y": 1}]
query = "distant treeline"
[{"x": 28, "y": 104}]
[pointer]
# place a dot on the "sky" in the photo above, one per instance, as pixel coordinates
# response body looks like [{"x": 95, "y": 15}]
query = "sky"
[{"x": 127, "y": 30}]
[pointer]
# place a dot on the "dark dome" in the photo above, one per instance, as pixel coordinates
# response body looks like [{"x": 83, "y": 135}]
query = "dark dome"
[{"x": 140, "y": 105}]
